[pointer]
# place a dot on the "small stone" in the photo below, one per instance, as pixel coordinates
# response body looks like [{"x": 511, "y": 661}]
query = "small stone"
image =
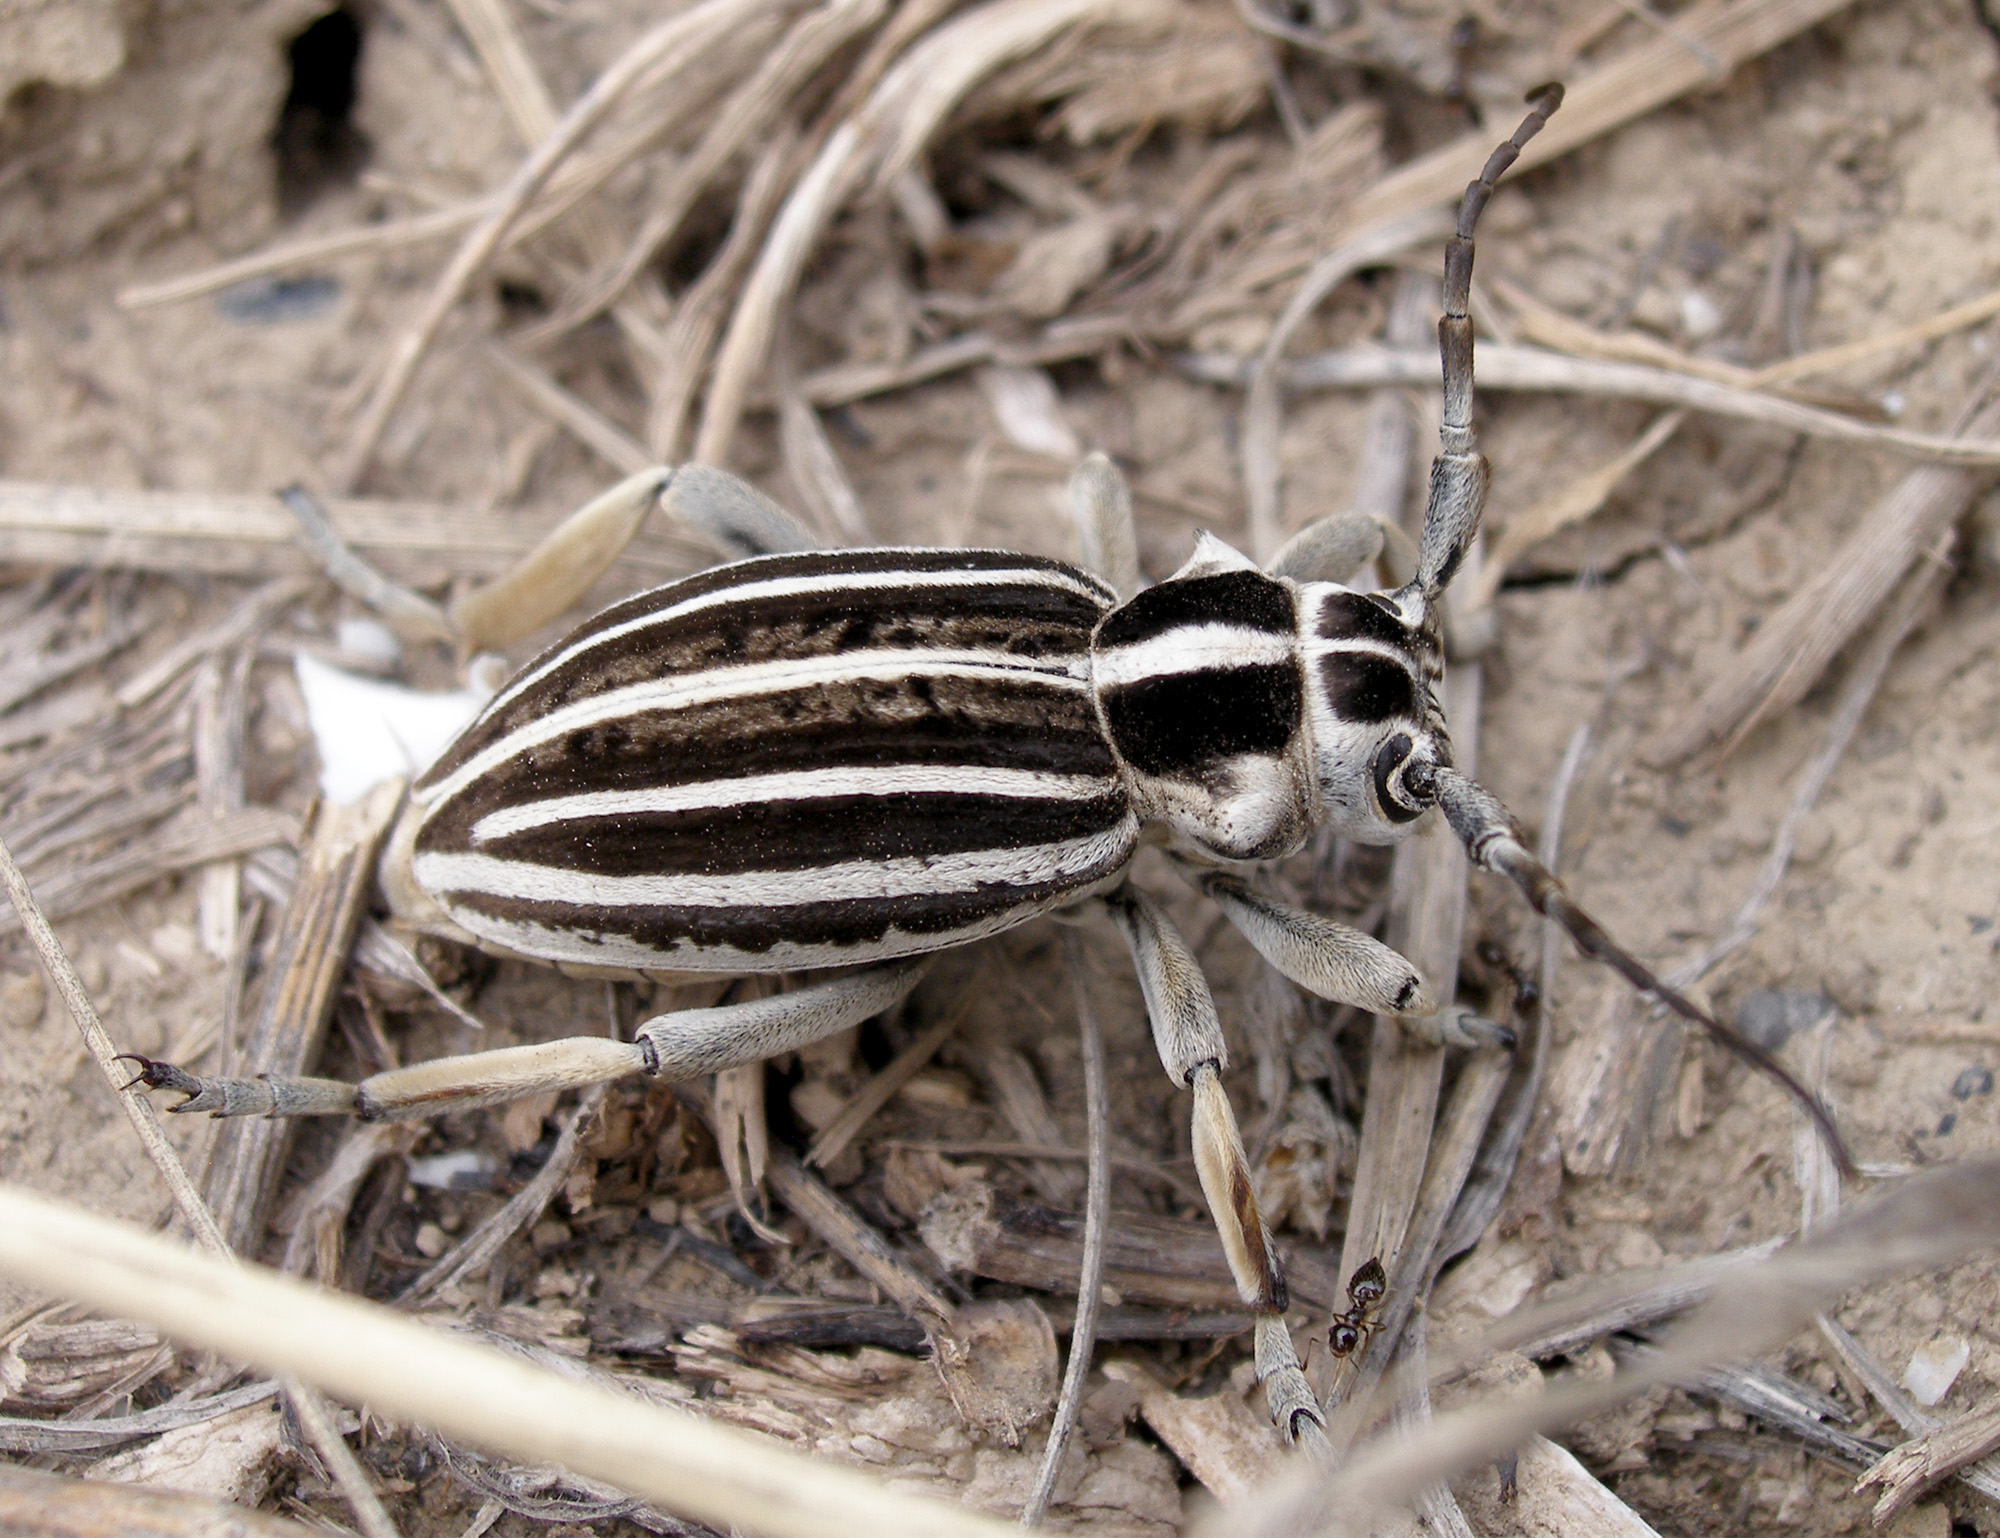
[
  {"x": 1935, "y": 1366},
  {"x": 1770, "y": 1016},
  {"x": 664, "y": 1210},
  {"x": 548, "y": 1234},
  {"x": 431, "y": 1241},
  {"x": 1976, "y": 1080},
  {"x": 23, "y": 996},
  {"x": 173, "y": 943}
]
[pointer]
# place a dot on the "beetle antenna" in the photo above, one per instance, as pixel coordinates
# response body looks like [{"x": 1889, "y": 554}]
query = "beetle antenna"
[
  {"x": 1495, "y": 843},
  {"x": 1458, "y": 474}
]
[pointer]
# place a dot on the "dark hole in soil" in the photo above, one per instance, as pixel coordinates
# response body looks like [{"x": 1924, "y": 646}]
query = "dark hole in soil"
[{"x": 316, "y": 146}]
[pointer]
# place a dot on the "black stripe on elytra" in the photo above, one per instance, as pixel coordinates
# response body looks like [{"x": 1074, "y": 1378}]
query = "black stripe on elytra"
[
  {"x": 1032, "y": 620},
  {"x": 1367, "y": 687},
  {"x": 801, "y": 835},
  {"x": 1246, "y": 598},
  {"x": 1002, "y": 722},
  {"x": 1362, "y": 617},
  {"x": 851, "y": 922},
  {"x": 1186, "y": 723}
]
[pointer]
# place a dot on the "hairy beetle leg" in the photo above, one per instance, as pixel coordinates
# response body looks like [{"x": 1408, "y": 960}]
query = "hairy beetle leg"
[
  {"x": 1188, "y": 1037},
  {"x": 676, "y": 1046}
]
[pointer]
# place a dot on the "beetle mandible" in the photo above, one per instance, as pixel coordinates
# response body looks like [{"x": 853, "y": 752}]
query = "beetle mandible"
[{"x": 851, "y": 759}]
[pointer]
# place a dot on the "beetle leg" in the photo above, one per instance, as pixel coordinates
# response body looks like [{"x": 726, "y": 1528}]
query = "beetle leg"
[
  {"x": 733, "y": 513},
  {"x": 559, "y": 570},
  {"x": 1345, "y": 965},
  {"x": 1331, "y": 549},
  {"x": 675, "y": 1046},
  {"x": 1101, "y": 504},
  {"x": 1189, "y": 1038}
]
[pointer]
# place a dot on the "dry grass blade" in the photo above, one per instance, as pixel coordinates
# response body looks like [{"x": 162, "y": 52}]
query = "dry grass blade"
[
  {"x": 881, "y": 140},
  {"x": 1627, "y": 88},
  {"x": 184, "y": 533},
  {"x": 1503, "y": 366},
  {"x": 308, "y": 960},
  {"x": 1793, "y": 647},
  {"x": 187, "y": 841},
  {"x": 1928, "y": 1220},
  {"x": 365, "y": 1353},
  {"x": 21, "y": 1434},
  {"x": 1906, "y": 1472},
  {"x": 840, "y": 1133},
  {"x": 1575, "y": 502},
  {"x": 1096, "y": 1218},
  {"x": 1261, "y": 410},
  {"x": 671, "y": 43},
  {"x": 751, "y": 109},
  {"x": 585, "y": 423},
  {"x": 63, "y": 1506}
]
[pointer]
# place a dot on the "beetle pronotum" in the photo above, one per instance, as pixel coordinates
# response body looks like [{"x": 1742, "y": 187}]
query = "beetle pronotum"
[{"x": 851, "y": 759}]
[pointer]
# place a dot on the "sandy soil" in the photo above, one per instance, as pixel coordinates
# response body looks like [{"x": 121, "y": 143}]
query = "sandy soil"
[{"x": 1862, "y": 156}]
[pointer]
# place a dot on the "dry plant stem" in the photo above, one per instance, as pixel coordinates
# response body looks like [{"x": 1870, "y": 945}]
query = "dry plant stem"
[
  {"x": 63, "y": 1506},
  {"x": 1158, "y": 1262},
  {"x": 1426, "y": 916},
  {"x": 1575, "y": 502},
  {"x": 1926, "y": 1220},
  {"x": 1905, "y": 1473},
  {"x": 750, "y": 109},
  {"x": 698, "y": 318},
  {"x": 584, "y": 422},
  {"x": 308, "y": 959},
  {"x": 21, "y": 1434},
  {"x": 368, "y": 1354},
  {"x": 1628, "y": 87},
  {"x": 1605, "y": 1124},
  {"x": 183, "y": 533},
  {"x": 476, "y": 1251},
  {"x": 186, "y": 841},
  {"x": 137, "y": 1108},
  {"x": 1509, "y": 366},
  {"x": 410, "y": 613},
  {"x": 664, "y": 47},
  {"x": 1793, "y": 647},
  {"x": 882, "y": 139},
  {"x": 243, "y": 622},
  {"x": 1262, "y": 408},
  {"x": 145, "y": 1121},
  {"x": 840, "y": 1133},
  {"x": 860, "y": 1245},
  {"x": 1096, "y": 1218},
  {"x": 1916, "y": 1421}
]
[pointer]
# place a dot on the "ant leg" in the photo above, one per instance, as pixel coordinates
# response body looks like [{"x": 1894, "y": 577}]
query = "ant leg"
[
  {"x": 1189, "y": 1039},
  {"x": 1100, "y": 503},
  {"x": 674, "y": 1046}
]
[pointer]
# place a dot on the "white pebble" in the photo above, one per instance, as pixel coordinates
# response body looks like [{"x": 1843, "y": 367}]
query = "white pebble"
[
  {"x": 1700, "y": 319},
  {"x": 1935, "y": 1366},
  {"x": 363, "y": 636}
]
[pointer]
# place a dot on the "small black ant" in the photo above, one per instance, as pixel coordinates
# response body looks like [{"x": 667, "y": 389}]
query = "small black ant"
[{"x": 1364, "y": 1291}]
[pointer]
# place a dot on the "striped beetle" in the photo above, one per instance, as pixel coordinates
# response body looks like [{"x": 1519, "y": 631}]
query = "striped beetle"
[{"x": 851, "y": 759}]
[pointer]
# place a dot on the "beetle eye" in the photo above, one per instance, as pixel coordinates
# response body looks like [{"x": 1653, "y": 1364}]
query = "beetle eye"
[{"x": 1396, "y": 799}]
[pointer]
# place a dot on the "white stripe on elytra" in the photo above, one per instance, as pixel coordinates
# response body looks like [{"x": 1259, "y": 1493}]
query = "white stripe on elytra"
[
  {"x": 1190, "y": 649},
  {"x": 794, "y": 785},
  {"x": 444, "y": 875},
  {"x": 585, "y": 948},
  {"x": 792, "y": 587},
  {"x": 747, "y": 681}
]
